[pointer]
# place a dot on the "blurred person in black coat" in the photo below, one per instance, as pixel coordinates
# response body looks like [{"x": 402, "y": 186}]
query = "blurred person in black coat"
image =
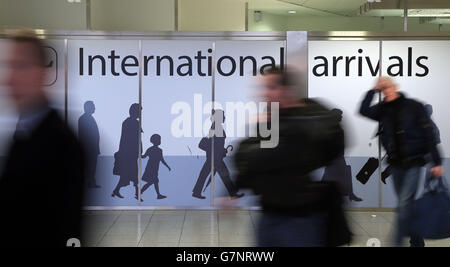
[
  {"x": 41, "y": 184},
  {"x": 296, "y": 211}
]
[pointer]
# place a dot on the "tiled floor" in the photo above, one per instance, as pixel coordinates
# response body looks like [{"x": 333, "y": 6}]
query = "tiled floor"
[{"x": 201, "y": 228}]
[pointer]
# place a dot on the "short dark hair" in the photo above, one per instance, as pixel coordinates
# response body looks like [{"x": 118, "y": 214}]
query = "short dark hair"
[
  {"x": 286, "y": 78},
  {"x": 29, "y": 37},
  {"x": 155, "y": 138}
]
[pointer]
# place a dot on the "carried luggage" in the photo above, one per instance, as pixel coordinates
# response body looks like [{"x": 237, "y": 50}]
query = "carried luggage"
[
  {"x": 367, "y": 170},
  {"x": 338, "y": 231},
  {"x": 431, "y": 212},
  {"x": 205, "y": 144},
  {"x": 116, "y": 169}
]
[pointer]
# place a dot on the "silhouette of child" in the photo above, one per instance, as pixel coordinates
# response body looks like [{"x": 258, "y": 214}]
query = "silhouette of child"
[{"x": 151, "y": 170}]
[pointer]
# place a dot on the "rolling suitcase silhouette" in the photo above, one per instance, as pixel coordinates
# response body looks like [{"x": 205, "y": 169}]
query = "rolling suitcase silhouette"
[{"x": 367, "y": 170}]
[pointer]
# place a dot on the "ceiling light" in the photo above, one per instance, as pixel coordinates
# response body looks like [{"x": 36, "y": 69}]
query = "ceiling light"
[{"x": 292, "y": 11}]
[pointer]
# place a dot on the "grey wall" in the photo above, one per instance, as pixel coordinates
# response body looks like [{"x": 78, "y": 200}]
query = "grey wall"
[
  {"x": 133, "y": 15},
  {"x": 43, "y": 14},
  {"x": 117, "y": 15}
]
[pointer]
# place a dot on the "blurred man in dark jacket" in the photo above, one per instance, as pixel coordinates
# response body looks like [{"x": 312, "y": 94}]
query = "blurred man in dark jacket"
[
  {"x": 293, "y": 211},
  {"x": 41, "y": 184},
  {"x": 408, "y": 136}
]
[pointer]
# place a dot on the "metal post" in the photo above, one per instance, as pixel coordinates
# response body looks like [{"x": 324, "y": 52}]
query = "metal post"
[
  {"x": 213, "y": 99},
  {"x": 176, "y": 15},
  {"x": 66, "y": 82},
  {"x": 88, "y": 15},
  {"x": 296, "y": 56},
  {"x": 246, "y": 16},
  {"x": 405, "y": 16},
  {"x": 380, "y": 202},
  {"x": 140, "y": 124}
]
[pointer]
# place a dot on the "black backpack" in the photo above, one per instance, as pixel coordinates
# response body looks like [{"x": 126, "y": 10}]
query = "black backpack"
[
  {"x": 321, "y": 127},
  {"x": 309, "y": 139}
]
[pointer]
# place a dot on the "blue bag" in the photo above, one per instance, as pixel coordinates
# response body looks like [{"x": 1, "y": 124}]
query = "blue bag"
[{"x": 432, "y": 211}]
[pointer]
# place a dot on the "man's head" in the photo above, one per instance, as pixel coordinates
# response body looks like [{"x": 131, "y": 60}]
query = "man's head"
[
  {"x": 280, "y": 86},
  {"x": 25, "y": 69},
  {"x": 89, "y": 107},
  {"x": 388, "y": 87}
]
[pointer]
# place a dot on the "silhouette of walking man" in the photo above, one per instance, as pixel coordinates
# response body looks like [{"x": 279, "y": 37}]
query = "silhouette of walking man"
[
  {"x": 216, "y": 135},
  {"x": 89, "y": 136},
  {"x": 128, "y": 153},
  {"x": 155, "y": 155},
  {"x": 340, "y": 172}
]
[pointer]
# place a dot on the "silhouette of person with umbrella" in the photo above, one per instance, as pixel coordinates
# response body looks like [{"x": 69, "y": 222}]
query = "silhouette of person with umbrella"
[{"x": 217, "y": 137}]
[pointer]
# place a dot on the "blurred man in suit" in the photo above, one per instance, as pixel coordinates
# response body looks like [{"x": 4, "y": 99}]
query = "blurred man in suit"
[
  {"x": 295, "y": 210},
  {"x": 42, "y": 181}
]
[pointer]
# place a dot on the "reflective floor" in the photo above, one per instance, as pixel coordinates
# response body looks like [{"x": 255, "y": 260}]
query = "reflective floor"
[{"x": 224, "y": 228}]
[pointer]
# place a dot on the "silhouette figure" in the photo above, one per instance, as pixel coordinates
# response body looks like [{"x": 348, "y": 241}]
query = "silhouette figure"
[
  {"x": 127, "y": 156},
  {"x": 339, "y": 172},
  {"x": 155, "y": 155},
  {"x": 217, "y": 137},
  {"x": 90, "y": 138}
]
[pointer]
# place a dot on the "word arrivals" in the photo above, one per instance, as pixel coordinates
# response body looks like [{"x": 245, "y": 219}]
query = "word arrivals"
[
  {"x": 193, "y": 257},
  {"x": 396, "y": 65},
  {"x": 182, "y": 65}
]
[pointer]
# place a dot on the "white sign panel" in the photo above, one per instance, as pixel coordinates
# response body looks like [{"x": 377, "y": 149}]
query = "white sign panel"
[
  {"x": 100, "y": 72},
  {"x": 340, "y": 73},
  {"x": 103, "y": 86}
]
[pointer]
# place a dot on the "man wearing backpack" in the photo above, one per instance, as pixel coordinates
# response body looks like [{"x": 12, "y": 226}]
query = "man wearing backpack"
[
  {"x": 408, "y": 137},
  {"x": 310, "y": 137}
]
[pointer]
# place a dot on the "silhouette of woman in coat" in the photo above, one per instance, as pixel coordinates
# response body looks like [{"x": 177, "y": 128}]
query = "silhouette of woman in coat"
[{"x": 128, "y": 153}]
